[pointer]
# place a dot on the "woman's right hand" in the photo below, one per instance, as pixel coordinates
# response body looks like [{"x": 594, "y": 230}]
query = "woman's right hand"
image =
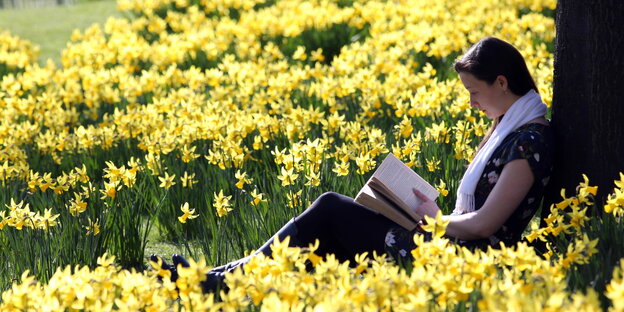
[{"x": 428, "y": 207}]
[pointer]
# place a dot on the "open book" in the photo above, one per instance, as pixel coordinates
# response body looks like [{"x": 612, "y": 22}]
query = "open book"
[{"x": 389, "y": 192}]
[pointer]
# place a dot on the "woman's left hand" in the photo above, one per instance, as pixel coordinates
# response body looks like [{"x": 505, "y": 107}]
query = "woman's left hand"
[{"x": 428, "y": 207}]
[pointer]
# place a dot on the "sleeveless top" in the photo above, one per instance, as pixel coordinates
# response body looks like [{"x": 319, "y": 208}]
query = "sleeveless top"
[{"x": 533, "y": 142}]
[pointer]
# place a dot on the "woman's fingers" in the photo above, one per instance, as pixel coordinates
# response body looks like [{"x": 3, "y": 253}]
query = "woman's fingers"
[
  {"x": 420, "y": 195},
  {"x": 427, "y": 206}
]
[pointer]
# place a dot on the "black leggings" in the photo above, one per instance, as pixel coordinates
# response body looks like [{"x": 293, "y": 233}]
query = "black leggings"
[{"x": 342, "y": 226}]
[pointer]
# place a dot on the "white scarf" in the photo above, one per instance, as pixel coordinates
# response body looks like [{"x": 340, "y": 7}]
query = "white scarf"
[{"x": 523, "y": 110}]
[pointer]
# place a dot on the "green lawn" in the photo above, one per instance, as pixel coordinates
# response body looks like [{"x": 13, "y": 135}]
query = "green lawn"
[{"x": 51, "y": 27}]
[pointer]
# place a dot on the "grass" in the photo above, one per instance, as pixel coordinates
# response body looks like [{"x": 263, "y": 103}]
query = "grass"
[
  {"x": 157, "y": 245},
  {"x": 51, "y": 27}
]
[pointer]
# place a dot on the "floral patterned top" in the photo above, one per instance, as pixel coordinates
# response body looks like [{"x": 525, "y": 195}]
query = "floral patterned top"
[{"x": 533, "y": 142}]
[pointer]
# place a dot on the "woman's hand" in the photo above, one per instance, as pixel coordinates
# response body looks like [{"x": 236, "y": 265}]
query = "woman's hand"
[{"x": 428, "y": 207}]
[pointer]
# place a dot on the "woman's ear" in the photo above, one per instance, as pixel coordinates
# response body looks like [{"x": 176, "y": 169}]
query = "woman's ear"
[{"x": 502, "y": 82}]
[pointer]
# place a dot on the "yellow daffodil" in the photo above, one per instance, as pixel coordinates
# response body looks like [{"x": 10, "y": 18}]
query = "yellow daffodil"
[
  {"x": 257, "y": 198},
  {"x": 317, "y": 55},
  {"x": 242, "y": 179},
  {"x": 300, "y": 54},
  {"x": 287, "y": 177},
  {"x": 433, "y": 165},
  {"x": 93, "y": 227},
  {"x": 187, "y": 213},
  {"x": 167, "y": 181},
  {"x": 441, "y": 187},
  {"x": 364, "y": 163},
  {"x": 78, "y": 205},
  {"x": 188, "y": 180},
  {"x": 222, "y": 203},
  {"x": 294, "y": 199},
  {"x": 188, "y": 154},
  {"x": 584, "y": 189},
  {"x": 405, "y": 127},
  {"x": 341, "y": 168},
  {"x": 313, "y": 179},
  {"x": 436, "y": 226},
  {"x": 110, "y": 189},
  {"x": 615, "y": 289}
]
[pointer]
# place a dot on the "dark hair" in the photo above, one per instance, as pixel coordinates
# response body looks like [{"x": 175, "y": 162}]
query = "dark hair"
[{"x": 491, "y": 57}]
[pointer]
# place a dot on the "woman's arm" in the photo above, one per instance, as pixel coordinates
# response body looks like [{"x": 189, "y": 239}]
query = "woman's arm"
[{"x": 512, "y": 186}]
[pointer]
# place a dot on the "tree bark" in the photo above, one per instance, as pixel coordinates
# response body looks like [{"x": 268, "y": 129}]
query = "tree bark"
[
  {"x": 588, "y": 96},
  {"x": 607, "y": 49}
]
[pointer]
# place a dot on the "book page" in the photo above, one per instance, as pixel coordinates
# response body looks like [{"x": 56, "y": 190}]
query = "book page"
[
  {"x": 399, "y": 178},
  {"x": 376, "y": 202},
  {"x": 378, "y": 186}
]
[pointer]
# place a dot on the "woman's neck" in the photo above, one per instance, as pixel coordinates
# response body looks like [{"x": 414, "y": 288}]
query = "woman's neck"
[{"x": 540, "y": 120}]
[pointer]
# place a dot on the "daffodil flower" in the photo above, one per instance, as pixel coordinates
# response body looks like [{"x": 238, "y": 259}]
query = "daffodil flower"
[
  {"x": 167, "y": 181},
  {"x": 187, "y": 213}
]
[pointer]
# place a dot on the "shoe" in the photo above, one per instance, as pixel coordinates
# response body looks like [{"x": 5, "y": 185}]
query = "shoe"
[
  {"x": 215, "y": 279},
  {"x": 165, "y": 266},
  {"x": 179, "y": 260}
]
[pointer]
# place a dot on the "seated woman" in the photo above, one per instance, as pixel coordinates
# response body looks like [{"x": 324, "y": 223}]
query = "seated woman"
[{"x": 498, "y": 194}]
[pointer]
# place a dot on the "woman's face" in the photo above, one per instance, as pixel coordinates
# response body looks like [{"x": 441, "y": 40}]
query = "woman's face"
[{"x": 491, "y": 99}]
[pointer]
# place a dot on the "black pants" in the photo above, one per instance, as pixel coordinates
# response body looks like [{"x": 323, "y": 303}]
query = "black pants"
[{"x": 342, "y": 226}]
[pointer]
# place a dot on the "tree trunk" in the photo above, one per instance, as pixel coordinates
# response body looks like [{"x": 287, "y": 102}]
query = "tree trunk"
[{"x": 588, "y": 96}]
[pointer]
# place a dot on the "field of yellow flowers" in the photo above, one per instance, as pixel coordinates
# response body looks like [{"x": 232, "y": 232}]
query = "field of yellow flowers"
[{"x": 212, "y": 122}]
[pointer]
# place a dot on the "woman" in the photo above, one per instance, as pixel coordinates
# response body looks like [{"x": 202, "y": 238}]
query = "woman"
[{"x": 497, "y": 197}]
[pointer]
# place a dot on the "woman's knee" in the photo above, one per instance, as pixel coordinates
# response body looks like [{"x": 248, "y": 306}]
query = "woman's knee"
[
  {"x": 329, "y": 198},
  {"x": 334, "y": 200},
  {"x": 324, "y": 206}
]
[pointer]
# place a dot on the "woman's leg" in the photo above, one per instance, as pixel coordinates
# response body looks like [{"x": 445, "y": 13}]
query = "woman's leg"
[{"x": 343, "y": 227}]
